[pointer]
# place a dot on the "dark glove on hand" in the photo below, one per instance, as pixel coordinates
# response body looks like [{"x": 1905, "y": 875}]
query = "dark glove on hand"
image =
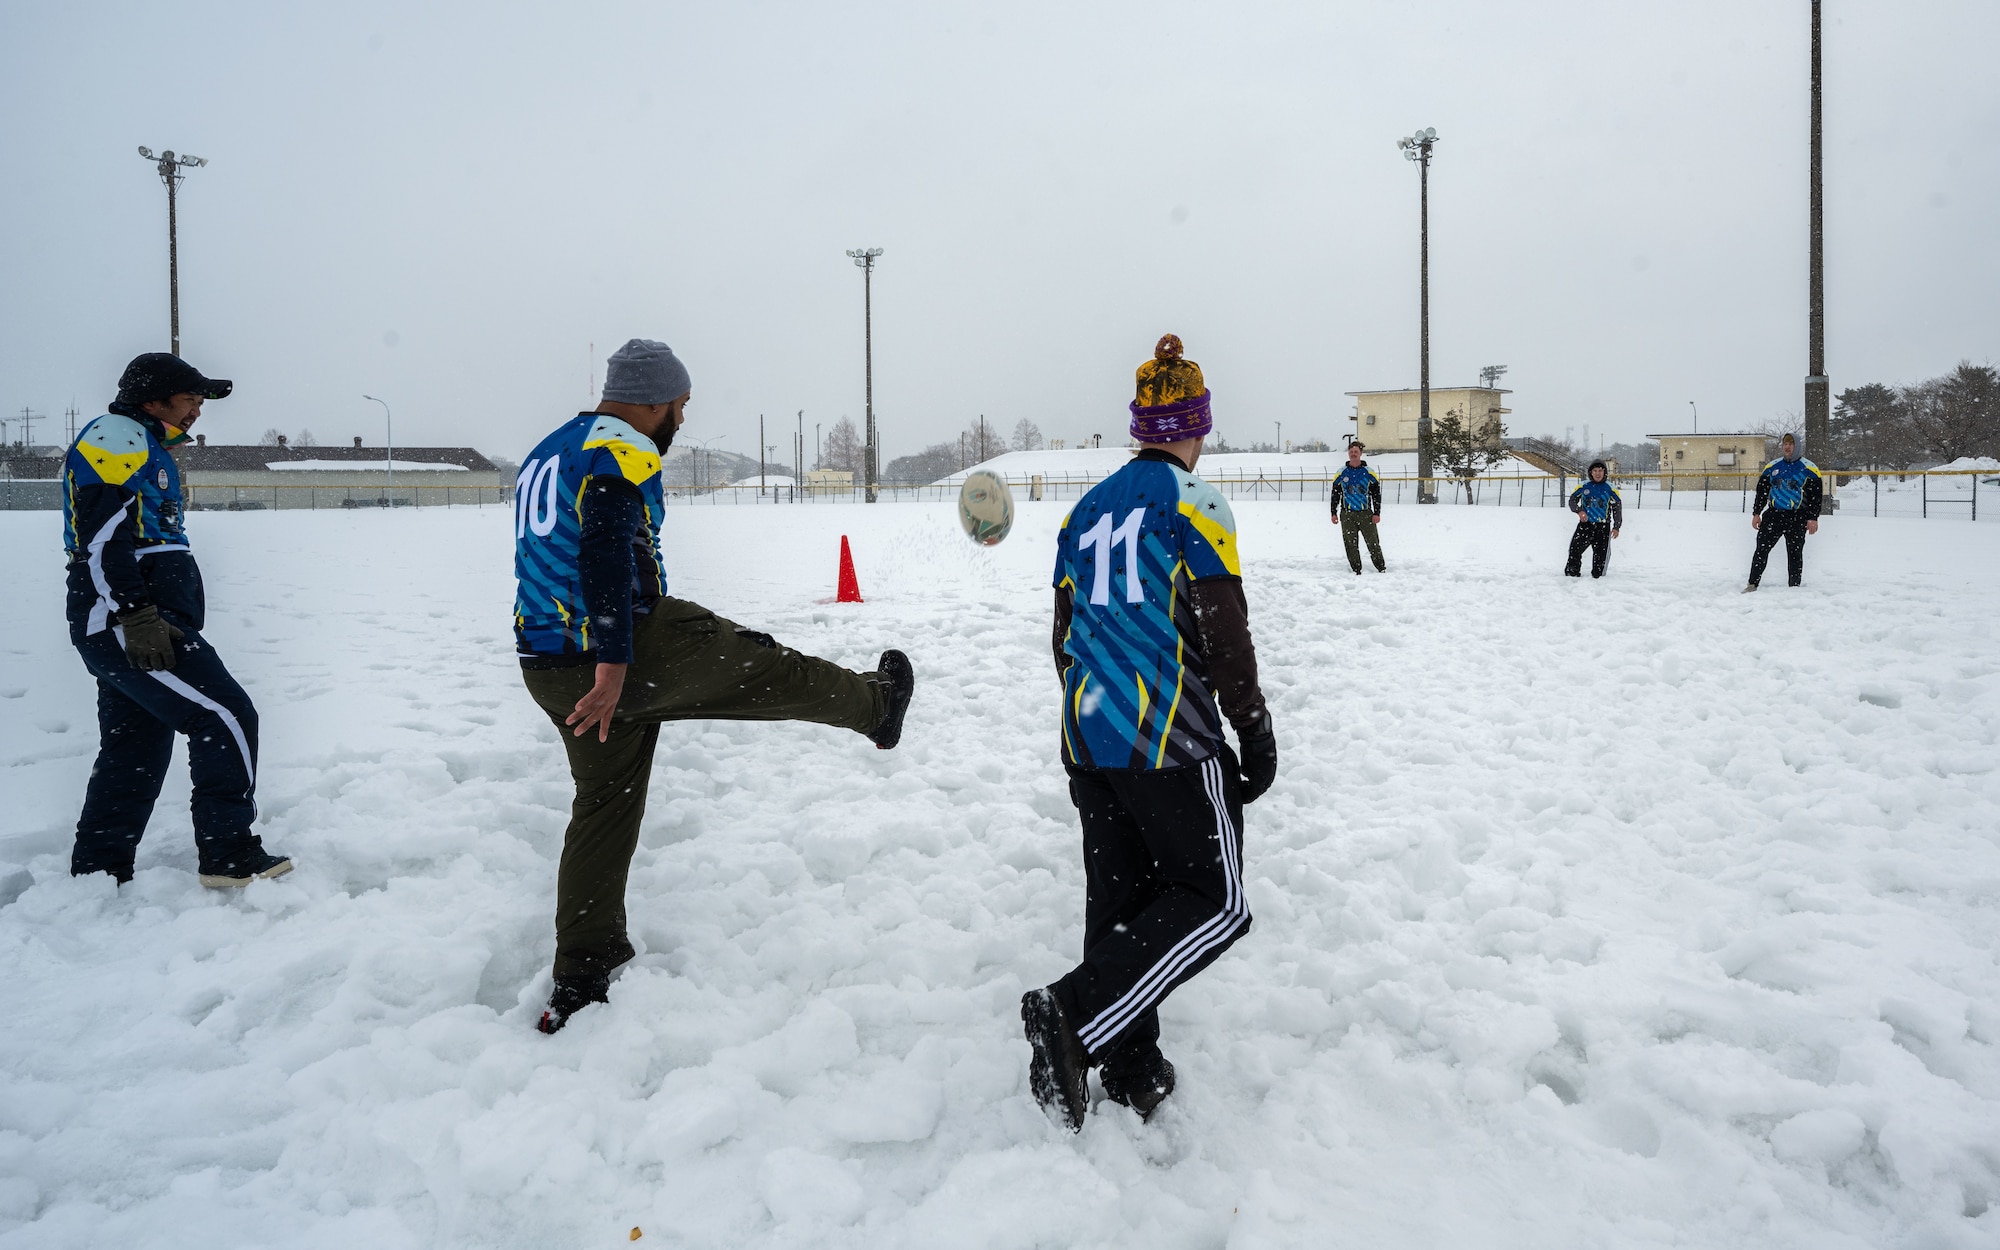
[
  {"x": 149, "y": 641},
  {"x": 1260, "y": 758}
]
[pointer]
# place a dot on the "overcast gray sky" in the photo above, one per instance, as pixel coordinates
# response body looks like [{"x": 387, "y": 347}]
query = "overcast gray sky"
[{"x": 446, "y": 205}]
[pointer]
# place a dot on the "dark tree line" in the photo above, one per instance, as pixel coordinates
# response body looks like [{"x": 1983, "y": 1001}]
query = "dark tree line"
[{"x": 1934, "y": 421}]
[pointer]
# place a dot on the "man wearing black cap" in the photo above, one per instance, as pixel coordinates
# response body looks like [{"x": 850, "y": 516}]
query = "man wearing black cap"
[{"x": 135, "y": 615}]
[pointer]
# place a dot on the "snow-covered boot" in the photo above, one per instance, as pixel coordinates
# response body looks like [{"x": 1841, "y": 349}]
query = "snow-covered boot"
[
  {"x": 571, "y": 995},
  {"x": 895, "y": 669},
  {"x": 1059, "y": 1073},
  {"x": 1140, "y": 1080},
  {"x": 240, "y": 870}
]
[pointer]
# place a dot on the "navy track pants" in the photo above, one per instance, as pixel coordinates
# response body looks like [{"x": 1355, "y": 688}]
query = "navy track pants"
[
  {"x": 138, "y": 714},
  {"x": 1163, "y": 863}
]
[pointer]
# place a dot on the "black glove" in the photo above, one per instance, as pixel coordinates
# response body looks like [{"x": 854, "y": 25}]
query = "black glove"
[
  {"x": 149, "y": 641},
  {"x": 1260, "y": 758}
]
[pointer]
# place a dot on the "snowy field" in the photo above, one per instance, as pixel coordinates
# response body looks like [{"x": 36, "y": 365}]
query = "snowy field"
[{"x": 1633, "y": 913}]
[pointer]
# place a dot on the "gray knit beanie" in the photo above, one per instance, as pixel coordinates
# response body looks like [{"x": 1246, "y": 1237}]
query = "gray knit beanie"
[{"x": 645, "y": 372}]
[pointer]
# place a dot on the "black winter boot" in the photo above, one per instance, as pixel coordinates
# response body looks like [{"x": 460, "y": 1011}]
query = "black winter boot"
[
  {"x": 894, "y": 668},
  {"x": 571, "y": 995},
  {"x": 244, "y": 867},
  {"x": 1059, "y": 1073},
  {"x": 1139, "y": 1078}
]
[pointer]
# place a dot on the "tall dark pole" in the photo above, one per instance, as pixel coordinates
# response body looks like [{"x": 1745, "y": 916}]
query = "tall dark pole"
[
  {"x": 170, "y": 168},
  {"x": 865, "y": 258},
  {"x": 1818, "y": 391},
  {"x": 1418, "y": 148}
]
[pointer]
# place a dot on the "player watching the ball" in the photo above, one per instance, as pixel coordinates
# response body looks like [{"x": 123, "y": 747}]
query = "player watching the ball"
[{"x": 1151, "y": 629}]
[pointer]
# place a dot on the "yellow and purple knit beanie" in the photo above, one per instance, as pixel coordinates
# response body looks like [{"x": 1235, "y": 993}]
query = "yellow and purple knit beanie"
[{"x": 1172, "y": 402}]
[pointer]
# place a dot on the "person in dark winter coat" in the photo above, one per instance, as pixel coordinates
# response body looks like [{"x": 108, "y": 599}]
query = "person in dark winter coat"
[
  {"x": 1357, "y": 505},
  {"x": 136, "y": 610},
  {"x": 1789, "y": 495},
  {"x": 609, "y": 656},
  {"x": 1600, "y": 513},
  {"x": 1151, "y": 632}
]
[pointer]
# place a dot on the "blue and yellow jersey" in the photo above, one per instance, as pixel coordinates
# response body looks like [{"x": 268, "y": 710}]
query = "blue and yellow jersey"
[
  {"x": 1357, "y": 489},
  {"x": 122, "y": 528},
  {"x": 1599, "y": 502},
  {"x": 1789, "y": 486},
  {"x": 550, "y": 618},
  {"x": 124, "y": 455},
  {"x": 1136, "y": 694}
]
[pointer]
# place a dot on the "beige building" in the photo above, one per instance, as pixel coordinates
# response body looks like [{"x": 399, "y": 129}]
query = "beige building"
[
  {"x": 1387, "y": 420},
  {"x": 1710, "y": 461}
]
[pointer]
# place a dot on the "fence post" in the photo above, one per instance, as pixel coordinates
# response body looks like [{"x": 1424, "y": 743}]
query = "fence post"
[{"x": 1925, "y": 487}]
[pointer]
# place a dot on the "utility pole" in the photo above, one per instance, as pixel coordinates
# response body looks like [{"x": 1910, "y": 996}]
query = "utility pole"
[
  {"x": 865, "y": 259},
  {"x": 799, "y": 457},
  {"x": 1818, "y": 390},
  {"x": 170, "y": 167},
  {"x": 28, "y": 420},
  {"x": 760, "y": 455},
  {"x": 1697, "y": 417},
  {"x": 1417, "y": 148}
]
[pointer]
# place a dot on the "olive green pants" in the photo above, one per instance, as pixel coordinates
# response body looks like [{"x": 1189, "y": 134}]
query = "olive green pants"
[
  {"x": 687, "y": 664},
  {"x": 1356, "y": 524}
]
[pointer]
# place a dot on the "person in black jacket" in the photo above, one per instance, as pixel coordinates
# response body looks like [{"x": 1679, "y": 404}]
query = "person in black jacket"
[
  {"x": 1600, "y": 514},
  {"x": 1789, "y": 496},
  {"x": 136, "y": 610}
]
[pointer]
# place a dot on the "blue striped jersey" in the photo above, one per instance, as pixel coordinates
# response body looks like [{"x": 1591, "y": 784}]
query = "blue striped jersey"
[
  {"x": 120, "y": 452},
  {"x": 550, "y": 617},
  {"x": 1787, "y": 481},
  {"x": 1136, "y": 695}
]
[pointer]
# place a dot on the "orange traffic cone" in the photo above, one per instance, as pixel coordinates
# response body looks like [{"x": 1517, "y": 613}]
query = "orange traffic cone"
[{"x": 850, "y": 586}]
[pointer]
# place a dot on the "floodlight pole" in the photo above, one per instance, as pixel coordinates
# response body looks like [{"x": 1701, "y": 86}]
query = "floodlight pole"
[
  {"x": 389, "y": 461},
  {"x": 170, "y": 169},
  {"x": 865, "y": 259},
  {"x": 1418, "y": 148},
  {"x": 1818, "y": 390}
]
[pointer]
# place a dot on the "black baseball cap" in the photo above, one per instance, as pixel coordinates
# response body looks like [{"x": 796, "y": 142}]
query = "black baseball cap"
[{"x": 162, "y": 375}]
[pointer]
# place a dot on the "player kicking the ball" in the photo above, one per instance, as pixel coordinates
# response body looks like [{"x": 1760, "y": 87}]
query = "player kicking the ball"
[
  {"x": 609, "y": 656},
  {"x": 1151, "y": 629}
]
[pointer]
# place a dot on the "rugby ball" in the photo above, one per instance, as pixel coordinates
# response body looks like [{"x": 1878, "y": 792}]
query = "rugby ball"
[{"x": 985, "y": 507}]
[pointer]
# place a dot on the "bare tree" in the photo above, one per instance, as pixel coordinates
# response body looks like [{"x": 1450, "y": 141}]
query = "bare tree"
[
  {"x": 305, "y": 439},
  {"x": 1027, "y": 436},
  {"x": 272, "y": 438},
  {"x": 844, "y": 448}
]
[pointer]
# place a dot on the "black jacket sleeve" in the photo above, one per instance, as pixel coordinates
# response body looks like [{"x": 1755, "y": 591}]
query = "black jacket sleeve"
[
  {"x": 608, "y": 521},
  {"x": 103, "y": 516},
  {"x": 1815, "y": 495},
  {"x": 1617, "y": 512},
  {"x": 1063, "y": 610},
  {"x": 1375, "y": 496},
  {"x": 1763, "y": 498},
  {"x": 1222, "y": 624}
]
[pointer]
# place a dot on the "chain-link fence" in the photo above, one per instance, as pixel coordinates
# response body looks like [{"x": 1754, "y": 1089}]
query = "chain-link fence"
[{"x": 1950, "y": 493}]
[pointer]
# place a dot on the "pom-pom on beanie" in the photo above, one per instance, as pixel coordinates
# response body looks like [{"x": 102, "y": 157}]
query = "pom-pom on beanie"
[{"x": 1172, "y": 399}]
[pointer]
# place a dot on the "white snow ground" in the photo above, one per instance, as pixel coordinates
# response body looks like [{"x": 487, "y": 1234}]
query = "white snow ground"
[{"x": 1587, "y": 914}]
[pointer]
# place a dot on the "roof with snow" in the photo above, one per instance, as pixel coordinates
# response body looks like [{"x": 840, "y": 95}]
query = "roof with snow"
[{"x": 253, "y": 458}]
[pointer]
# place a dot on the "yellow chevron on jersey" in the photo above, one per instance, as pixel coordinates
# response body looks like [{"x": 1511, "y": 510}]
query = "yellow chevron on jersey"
[
  {"x": 1220, "y": 531},
  {"x": 637, "y": 464},
  {"x": 114, "y": 451}
]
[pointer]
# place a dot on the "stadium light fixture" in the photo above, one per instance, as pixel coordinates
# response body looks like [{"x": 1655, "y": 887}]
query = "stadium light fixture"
[
  {"x": 1417, "y": 147},
  {"x": 864, "y": 259},
  {"x": 170, "y": 169}
]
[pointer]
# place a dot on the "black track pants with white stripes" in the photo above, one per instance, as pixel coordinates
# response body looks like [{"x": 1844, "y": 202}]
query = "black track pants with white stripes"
[
  {"x": 1163, "y": 858},
  {"x": 138, "y": 714}
]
